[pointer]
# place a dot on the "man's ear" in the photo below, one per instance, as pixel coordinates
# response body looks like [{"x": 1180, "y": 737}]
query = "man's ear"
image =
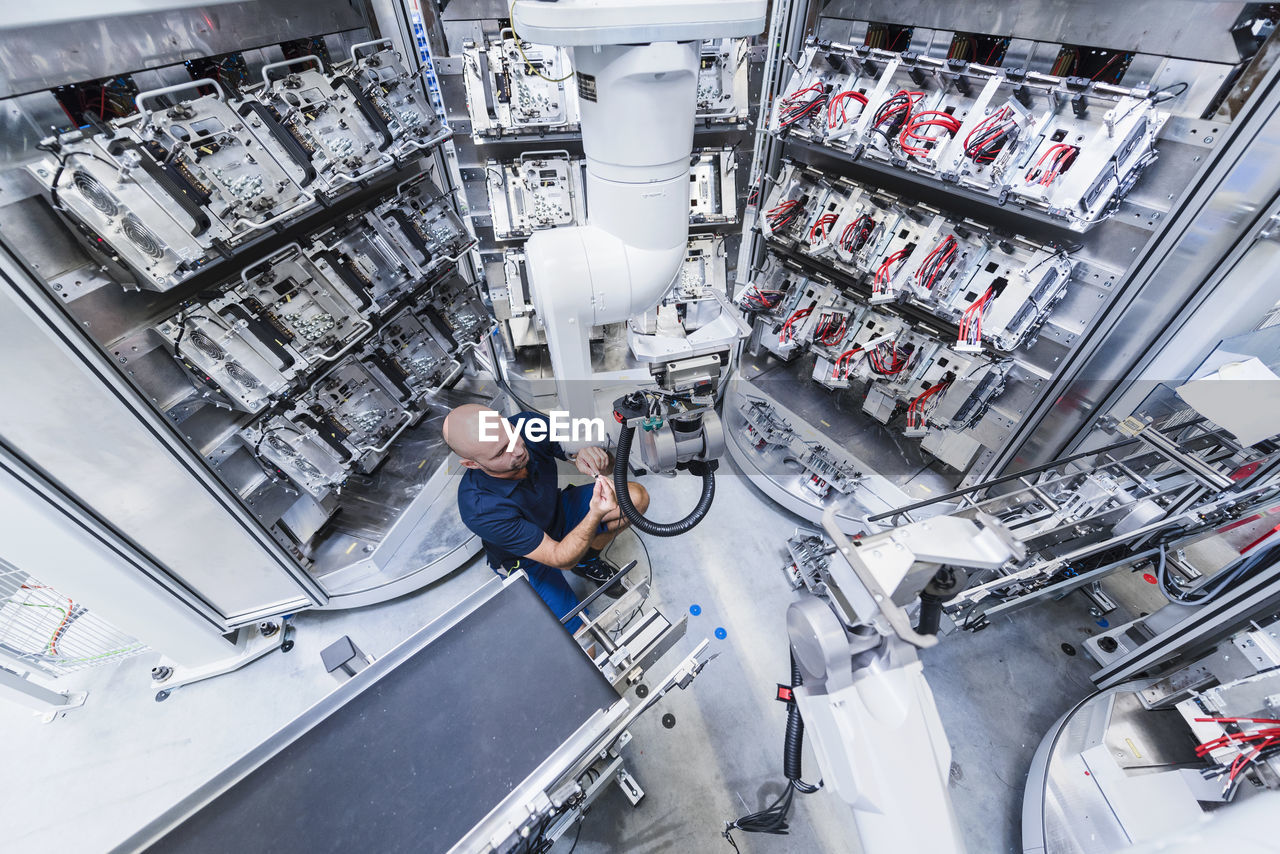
[{"x": 470, "y": 464}]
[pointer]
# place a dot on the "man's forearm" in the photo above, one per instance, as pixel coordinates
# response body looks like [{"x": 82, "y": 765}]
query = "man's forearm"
[{"x": 575, "y": 543}]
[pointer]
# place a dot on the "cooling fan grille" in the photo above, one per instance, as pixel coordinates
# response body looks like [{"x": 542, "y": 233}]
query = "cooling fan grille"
[
  {"x": 140, "y": 236},
  {"x": 206, "y": 345},
  {"x": 241, "y": 375},
  {"x": 94, "y": 193}
]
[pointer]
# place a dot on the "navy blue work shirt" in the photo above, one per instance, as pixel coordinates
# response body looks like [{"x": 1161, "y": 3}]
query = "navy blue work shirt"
[{"x": 511, "y": 516}]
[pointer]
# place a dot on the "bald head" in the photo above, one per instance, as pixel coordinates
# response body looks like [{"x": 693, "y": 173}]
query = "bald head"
[{"x": 462, "y": 433}]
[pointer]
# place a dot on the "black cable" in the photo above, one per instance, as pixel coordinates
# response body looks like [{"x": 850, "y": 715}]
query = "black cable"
[
  {"x": 182, "y": 328},
  {"x": 576, "y": 837},
  {"x": 773, "y": 818},
  {"x": 623, "y": 493},
  {"x": 62, "y": 165},
  {"x": 622, "y": 626},
  {"x": 1222, "y": 581},
  {"x": 1155, "y": 96}
]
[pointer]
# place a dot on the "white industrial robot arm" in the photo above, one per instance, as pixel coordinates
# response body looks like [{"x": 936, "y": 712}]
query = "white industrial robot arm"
[
  {"x": 636, "y": 65},
  {"x": 868, "y": 711}
]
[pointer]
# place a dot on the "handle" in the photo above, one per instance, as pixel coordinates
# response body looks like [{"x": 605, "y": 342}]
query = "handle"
[
  {"x": 408, "y": 146},
  {"x": 355, "y": 48},
  {"x": 289, "y": 248},
  {"x": 415, "y": 180},
  {"x": 456, "y": 258},
  {"x": 368, "y": 327},
  {"x": 287, "y": 62},
  {"x": 408, "y": 416},
  {"x": 535, "y": 155},
  {"x": 450, "y": 379},
  {"x": 177, "y": 87},
  {"x": 305, "y": 200}
]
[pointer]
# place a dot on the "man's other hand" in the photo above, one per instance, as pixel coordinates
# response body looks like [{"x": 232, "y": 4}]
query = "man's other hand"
[
  {"x": 592, "y": 461},
  {"x": 603, "y": 499}
]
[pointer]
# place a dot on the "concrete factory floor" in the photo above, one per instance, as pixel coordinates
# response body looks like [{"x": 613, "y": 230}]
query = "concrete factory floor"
[{"x": 89, "y": 780}]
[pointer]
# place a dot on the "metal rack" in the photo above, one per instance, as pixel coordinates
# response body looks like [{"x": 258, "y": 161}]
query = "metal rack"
[{"x": 1146, "y": 115}]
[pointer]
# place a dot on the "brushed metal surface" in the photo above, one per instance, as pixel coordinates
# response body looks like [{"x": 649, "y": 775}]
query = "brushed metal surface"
[
  {"x": 74, "y": 427},
  {"x": 1193, "y": 29},
  {"x": 43, "y": 56}
]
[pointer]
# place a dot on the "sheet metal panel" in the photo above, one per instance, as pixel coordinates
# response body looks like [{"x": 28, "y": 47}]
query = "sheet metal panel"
[
  {"x": 83, "y": 433},
  {"x": 1189, "y": 29},
  {"x": 43, "y": 56}
]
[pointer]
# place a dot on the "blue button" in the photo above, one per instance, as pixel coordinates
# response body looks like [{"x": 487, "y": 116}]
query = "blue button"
[
  {"x": 721, "y": 634},
  {"x": 695, "y": 610},
  {"x": 1103, "y": 623}
]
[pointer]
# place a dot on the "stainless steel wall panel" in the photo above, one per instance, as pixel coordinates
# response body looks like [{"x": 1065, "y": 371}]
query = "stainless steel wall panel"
[
  {"x": 43, "y": 56},
  {"x": 81, "y": 431},
  {"x": 1194, "y": 29}
]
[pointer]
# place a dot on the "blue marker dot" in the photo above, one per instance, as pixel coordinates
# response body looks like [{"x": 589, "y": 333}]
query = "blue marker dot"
[
  {"x": 721, "y": 634},
  {"x": 1103, "y": 623},
  {"x": 695, "y": 610}
]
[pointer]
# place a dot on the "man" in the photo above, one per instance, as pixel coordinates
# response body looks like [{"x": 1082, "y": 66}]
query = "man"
[{"x": 509, "y": 498}]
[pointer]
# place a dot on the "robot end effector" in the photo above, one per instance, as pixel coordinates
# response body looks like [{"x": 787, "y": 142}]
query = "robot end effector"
[{"x": 678, "y": 429}]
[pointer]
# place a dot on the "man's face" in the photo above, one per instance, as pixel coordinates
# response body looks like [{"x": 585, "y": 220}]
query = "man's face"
[{"x": 494, "y": 457}]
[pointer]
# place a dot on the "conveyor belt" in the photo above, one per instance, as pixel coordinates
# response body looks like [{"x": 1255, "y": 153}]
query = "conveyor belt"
[{"x": 420, "y": 754}]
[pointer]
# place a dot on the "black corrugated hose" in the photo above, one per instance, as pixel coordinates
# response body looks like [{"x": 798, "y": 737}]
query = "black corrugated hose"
[
  {"x": 773, "y": 818},
  {"x": 635, "y": 517}
]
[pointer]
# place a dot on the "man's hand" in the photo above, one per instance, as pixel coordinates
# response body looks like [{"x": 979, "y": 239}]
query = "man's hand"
[
  {"x": 592, "y": 461},
  {"x": 603, "y": 499}
]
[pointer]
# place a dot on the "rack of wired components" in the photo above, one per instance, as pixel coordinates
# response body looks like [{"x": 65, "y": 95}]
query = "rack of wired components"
[
  {"x": 936, "y": 218},
  {"x": 514, "y": 104},
  {"x": 272, "y": 262}
]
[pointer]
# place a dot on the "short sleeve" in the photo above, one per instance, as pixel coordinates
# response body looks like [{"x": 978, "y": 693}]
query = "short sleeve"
[{"x": 504, "y": 527}]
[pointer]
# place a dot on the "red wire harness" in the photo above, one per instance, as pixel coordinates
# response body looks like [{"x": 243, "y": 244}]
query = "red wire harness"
[
  {"x": 917, "y": 412},
  {"x": 971, "y": 320},
  {"x": 818, "y": 232},
  {"x": 887, "y": 360},
  {"x": 856, "y": 233},
  {"x": 844, "y": 364},
  {"x": 836, "y": 107},
  {"x": 985, "y": 142},
  {"x": 913, "y": 142},
  {"x": 783, "y": 214},
  {"x": 756, "y": 299},
  {"x": 896, "y": 111},
  {"x": 798, "y": 95},
  {"x": 936, "y": 263},
  {"x": 796, "y": 106},
  {"x": 788, "y": 332},
  {"x": 1266, "y": 737},
  {"x": 831, "y": 328},
  {"x": 884, "y": 273},
  {"x": 1060, "y": 157}
]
